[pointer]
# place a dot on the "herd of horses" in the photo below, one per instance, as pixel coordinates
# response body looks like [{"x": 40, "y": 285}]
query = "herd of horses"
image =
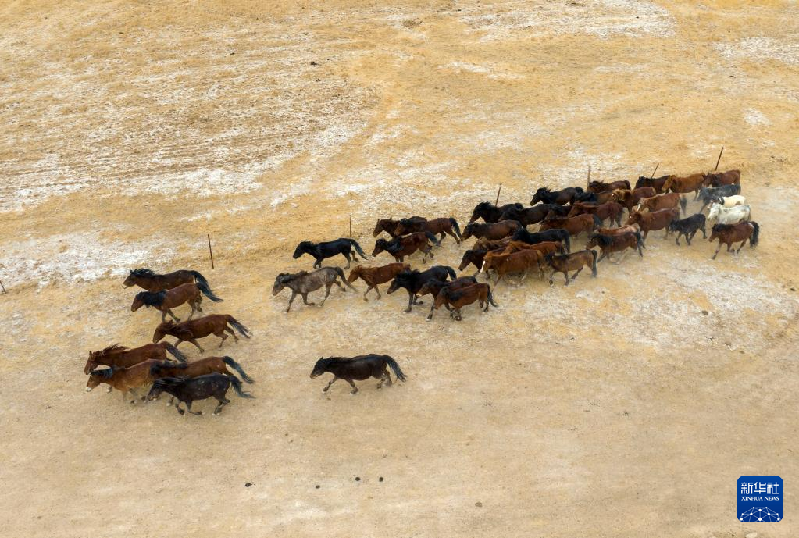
[{"x": 503, "y": 246}]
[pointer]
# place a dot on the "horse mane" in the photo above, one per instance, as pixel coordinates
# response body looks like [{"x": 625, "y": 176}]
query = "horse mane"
[
  {"x": 484, "y": 205},
  {"x": 105, "y": 373},
  {"x": 113, "y": 349},
  {"x": 143, "y": 273},
  {"x": 168, "y": 365},
  {"x": 602, "y": 239},
  {"x": 722, "y": 227},
  {"x": 151, "y": 298}
]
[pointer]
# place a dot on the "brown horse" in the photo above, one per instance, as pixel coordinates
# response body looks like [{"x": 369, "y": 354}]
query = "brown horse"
[
  {"x": 440, "y": 226},
  {"x": 732, "y": 233},
  {"x": 189, "y": 331},
  {"x": 573, "y": 225},
  {"x": 122, "y": 357},
  {"x": 150, "y": 281},
  {"x": 390, "y": 225},
  {"x": 609, "y": 244},
  {"x": 685, "y": 184},
  {"x": 654, "y": 220},
  {"x": 654, "y": 182},
  {"x": 166, "y": 300},
  {"x": 564, "y": 263},
  {"x": 520, "y": 262},
  {"x": 630, "y": 198},
  {"x": 457, "y": 299},
  {"x": 377, "y": 275},
  {"x": 209, "y": 365},
  {"x": 608, "y": 210},
  {"x": 598, "y": 186},
  {"x": 123, "y": 379},
  {"x": 719, "y": 179},
  {"x": 434, "y": 286},
  {"x": 545, "y": 247},
  {"x": 663, "y": 201},
  {"x": 399, "y": 247},
  {"x": 497, "y": 230}
]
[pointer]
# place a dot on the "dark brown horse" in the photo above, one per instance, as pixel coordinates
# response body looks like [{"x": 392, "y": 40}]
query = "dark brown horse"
[
  {"x": 433, "y": 287},
  {"x": 490, "y": 212},
  {"x": 442, "y": 226},
  {"x": 610, "y": 244},
  {"x": 573, "y": 225},
  {"x": 719, "y": 179},
  {"x": 598, "y": 186},
  {"x": 360, "y": 367},
  {"x": 656, "y": 183},
  {"x": 198, "y": 368},
  {"x": 491, "y": 230},
  {"x": 150, "y": 281},
  {"x": 390, "y": 225},
  {"x": 166, "y": 300},
  {"x": 190, "y": 331},
  {"x": 123, "y": 379},
  {"x": 608, "y": 210},
  {"x": 732, "y": 233},
  {"x": 373, "y": 276},
  {"x": 400, "y": 247},
  {"x": 571, "y": 262},
  {"x": 122, "y": 357},
  {"x": 191, "y": 389},
  {"x": 561, "y": 197}
]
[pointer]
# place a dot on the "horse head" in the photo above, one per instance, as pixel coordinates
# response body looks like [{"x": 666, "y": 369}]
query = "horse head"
[
  {"x": 355, "y": 273},
  {"x": 303, "y": 248},
  {"x": 380, "y": 246},
  {"x": 280, "y": 282},
  {"x": 98, "y": 376},
  {"x": 320, "y": 367},
  {"x": 162, "y": 330}
]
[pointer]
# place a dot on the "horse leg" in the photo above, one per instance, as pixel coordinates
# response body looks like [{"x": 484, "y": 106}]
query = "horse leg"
[
  {"x": 577, "y": 273},
  {"x": 450, "y": 232},
  {"x": 169, "y": 311},
  {"x": 222, "y": 403},
  {"x": 191, "y": 304},
  {"x": 169, "y": 403},
  {"x": 354, "y": 388},
  {"x": 180, "y": 411},
  {"x": 717, "y": 252},
  {"x": 328, "y": 385},
  {"x": 677, "y": 240},
  {"x": 550, "y": 277},
  {"x": 305, "y": 299},
  {"x": 293, "y": 295},
  {"x": 318, "y": 263},
  {"x": 740, "y": 247},
  {"x": 188, "y": 408},
  {"x": 367, "y": 291},
  {"x": 327, "y": 294},
  {"x": 378, "y": 292},
  {"x": 411, "y": 298},
  {"x": 347, "y": 255}
]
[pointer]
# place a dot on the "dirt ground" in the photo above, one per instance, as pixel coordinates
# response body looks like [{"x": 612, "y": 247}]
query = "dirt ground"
[{"x": 621, "y": 406}]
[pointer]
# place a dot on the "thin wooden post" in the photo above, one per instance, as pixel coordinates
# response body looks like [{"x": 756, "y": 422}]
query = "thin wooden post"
[
  {"x": 350, "y": 236},
  {"x": 498, "y": 191},
  {"x": 1, "y": 286},
  {"x": 653, "y": 171},
  {"x": 719, "y": 159},
  {"x": 210, "y": 251}
]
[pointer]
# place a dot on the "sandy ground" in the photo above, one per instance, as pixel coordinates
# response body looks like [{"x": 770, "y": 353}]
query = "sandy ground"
[{"x": 625, "y": 405}]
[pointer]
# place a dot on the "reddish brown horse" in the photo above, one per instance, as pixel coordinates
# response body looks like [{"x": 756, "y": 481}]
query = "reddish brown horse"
[
  {"x": 166, "y": 300},
  {"x": 123, "y": 379},
  {"x": 685, "y": 184},
  {"x": 457, "y": 299},
  {"x": 377, "y": 275},
  {"x": 610, "y": 244},
  {"x": 498, "y": 230},
  {"x": 189, "y": 331},
  {"x": 122, "y": 357},
  {"x": 517, "y": 263},
  {"x": 655, "y": 220},
  {"x": 399, "y": 247},
  {"x": 608, "y": 210},
  {"x": 732, "y": 233}
]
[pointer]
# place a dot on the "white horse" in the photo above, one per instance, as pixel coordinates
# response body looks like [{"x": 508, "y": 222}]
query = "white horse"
[
  {"x": 732, "y": 201},
  {"x": 730, "y": 215}
]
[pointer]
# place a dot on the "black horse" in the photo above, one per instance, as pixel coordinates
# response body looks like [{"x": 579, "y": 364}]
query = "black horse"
[
  {"x": 360, "y": 367},
  {"x": 191, "y": 389},
  {"x": 711, "y": 194},
  {"x": 535, "y": 214},
  {"x": 562, "y": 197},
  {"x": 490, "y": 212},
  {"x": 328, "y": 249},
  {"x": 413, "y": 281},
  {"x": 688, "y": 227},
  {"x": 533, "y": 238}
]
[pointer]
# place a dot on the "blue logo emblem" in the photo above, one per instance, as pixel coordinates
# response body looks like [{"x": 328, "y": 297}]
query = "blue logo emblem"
[{"x": 760, "y": 499}]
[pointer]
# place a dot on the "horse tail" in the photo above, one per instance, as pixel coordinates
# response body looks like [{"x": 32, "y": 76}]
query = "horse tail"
[
  {"x": 639, "y": 239},
  {"x": 203, "y": 287},
  {"x": 237, "y": 387},
  {"x": 244, "y": 331},
  {"x": 433, "y": 238},
  {"x": 174, "y": 352},
  {"x": 491, "y": 297},
  {"x": 593, "y": 265},
  {"x": 755, "y": 234},
  {"x": 358, "y": 248},
  {"x": 394, "y": 366},
  {"x": 567, "y": 242},
  {"x": 236, "y": 366},
  {"x": 451, "y": 272},
  {"x": 340, "y": 273},
  {"x": 455, "y": 226},
  {"x": 198, "y": 277},
  {"x": 683, "y": 204}
]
